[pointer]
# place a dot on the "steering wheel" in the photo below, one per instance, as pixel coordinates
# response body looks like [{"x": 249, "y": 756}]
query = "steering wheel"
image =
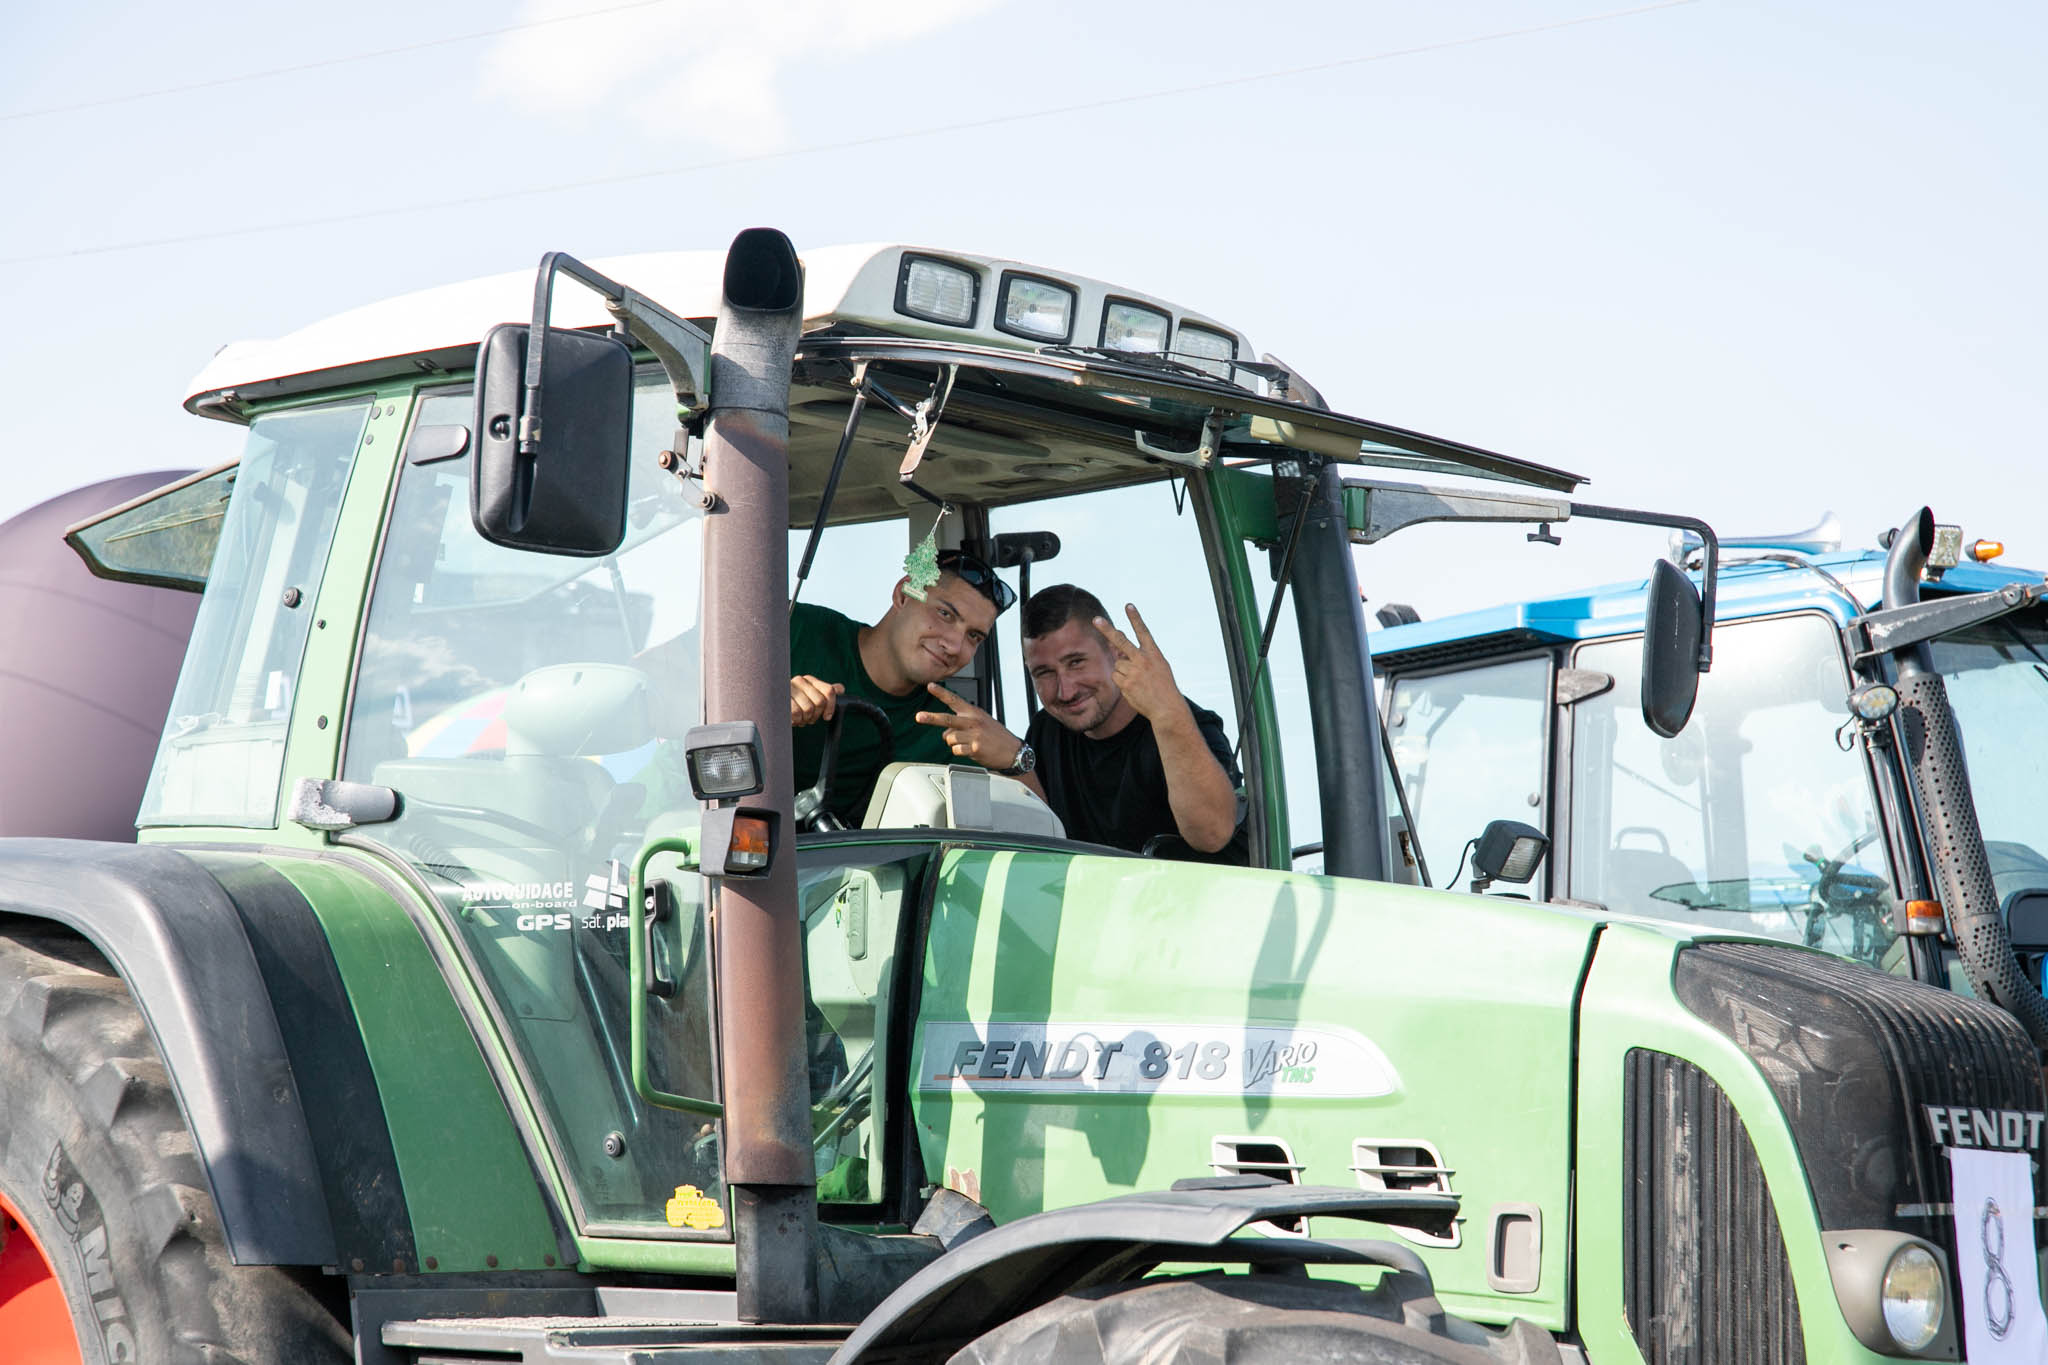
[
  {"x": 813, "y": 804},
  {"x": 1838, "y": 891}
]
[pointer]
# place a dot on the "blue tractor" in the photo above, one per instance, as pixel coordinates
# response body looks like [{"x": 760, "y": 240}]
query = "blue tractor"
[{"x": 1861, "y": 772}]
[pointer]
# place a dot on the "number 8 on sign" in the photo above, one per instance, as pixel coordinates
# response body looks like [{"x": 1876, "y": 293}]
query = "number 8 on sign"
[{"x": 1998, "y": 1296}]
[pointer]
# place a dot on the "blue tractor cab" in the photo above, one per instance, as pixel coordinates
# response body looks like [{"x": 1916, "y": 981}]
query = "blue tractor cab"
[{"x": 1861, "y": 772}]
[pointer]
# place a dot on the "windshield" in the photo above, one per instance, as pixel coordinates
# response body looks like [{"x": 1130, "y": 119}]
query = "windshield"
[
  {"x": 1998, "y": 686},
  {"x": 1754, "y": 817}
]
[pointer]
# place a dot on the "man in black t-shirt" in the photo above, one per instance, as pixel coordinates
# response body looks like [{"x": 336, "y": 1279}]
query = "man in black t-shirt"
[{"x": 1117, "y": 752}]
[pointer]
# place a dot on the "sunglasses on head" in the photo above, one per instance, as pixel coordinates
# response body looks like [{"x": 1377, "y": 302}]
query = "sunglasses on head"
[{"x": 979, "y": 576}]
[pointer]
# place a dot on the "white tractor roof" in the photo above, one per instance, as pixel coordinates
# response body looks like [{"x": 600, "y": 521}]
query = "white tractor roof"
[{"x": 438, "y": 329}]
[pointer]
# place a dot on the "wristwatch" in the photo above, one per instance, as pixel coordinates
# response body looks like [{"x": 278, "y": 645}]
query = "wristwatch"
[{"x": 1026, "y": 760}]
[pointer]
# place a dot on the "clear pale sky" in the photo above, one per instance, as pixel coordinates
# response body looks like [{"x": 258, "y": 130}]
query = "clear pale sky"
[{"x": 1752, "y": 261}]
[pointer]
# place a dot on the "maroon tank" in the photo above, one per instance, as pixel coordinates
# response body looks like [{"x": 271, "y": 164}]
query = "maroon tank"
[{"x": 87, "y": 666}]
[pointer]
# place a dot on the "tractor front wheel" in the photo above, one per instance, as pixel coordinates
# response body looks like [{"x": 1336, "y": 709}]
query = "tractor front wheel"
[{"x": 110, "y": 1247}]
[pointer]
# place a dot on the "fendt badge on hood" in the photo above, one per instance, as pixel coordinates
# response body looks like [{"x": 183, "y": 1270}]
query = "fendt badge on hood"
[{"x": 2013, "y": 1130}]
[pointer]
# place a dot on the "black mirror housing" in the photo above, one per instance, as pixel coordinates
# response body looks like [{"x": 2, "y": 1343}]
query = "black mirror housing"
[
  {"x": 567, "y": 497},
  {"x": 1673, "y": 621},
  {"x": 2026, "y": 919}
]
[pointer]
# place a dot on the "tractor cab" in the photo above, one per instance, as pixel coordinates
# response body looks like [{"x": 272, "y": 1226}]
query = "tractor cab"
[
  {"x": 1783, "y": 807},
  {"x": 514, "y": 723}
]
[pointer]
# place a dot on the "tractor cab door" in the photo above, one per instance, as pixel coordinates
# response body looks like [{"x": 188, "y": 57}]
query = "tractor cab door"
[{"x": 519, "y": 703}]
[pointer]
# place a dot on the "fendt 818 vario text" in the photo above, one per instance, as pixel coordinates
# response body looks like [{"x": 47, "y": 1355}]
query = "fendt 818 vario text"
[{"x": 477, "y": 992}]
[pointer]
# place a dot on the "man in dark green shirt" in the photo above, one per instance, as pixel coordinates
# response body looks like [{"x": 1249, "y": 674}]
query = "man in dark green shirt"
[{"x": 890, "y": 663}]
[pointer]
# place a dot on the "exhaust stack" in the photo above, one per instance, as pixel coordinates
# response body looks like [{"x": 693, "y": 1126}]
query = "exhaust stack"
[{"x": 768, "y": 1162}]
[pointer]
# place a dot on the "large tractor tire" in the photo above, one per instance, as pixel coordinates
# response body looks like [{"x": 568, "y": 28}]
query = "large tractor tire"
[
  {"x": 1248, "y": 1320},
  {"x": 112, "y": 1249}
]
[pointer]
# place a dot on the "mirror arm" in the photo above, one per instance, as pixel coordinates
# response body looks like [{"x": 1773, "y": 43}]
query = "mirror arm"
[
  {"x": 1894, "y": 629},
  {"x": 1391, "y": 507},
  {"x": 1710, "y": 575},
  {"x": 683, "y": 348}
]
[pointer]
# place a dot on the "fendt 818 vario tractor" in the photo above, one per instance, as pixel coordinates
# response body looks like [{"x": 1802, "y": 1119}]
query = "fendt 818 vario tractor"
[{"x": 475, "y": 992}]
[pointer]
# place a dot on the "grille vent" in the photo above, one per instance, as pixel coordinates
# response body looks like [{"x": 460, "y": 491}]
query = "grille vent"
[
  {"x": 1705, "y": 1277},
  {"x": 1260, "y": 1156},
  {"x": 1408, "y": 1164}
]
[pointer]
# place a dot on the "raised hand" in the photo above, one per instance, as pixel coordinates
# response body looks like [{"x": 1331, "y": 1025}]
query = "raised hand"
[
  {"x": 812, "y": 700},
  {"x": 1142, "y": 673},
  {"x": 971, "y": 732}
]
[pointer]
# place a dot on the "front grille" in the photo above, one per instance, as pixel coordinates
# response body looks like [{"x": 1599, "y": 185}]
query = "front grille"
[
  {"x": 1705, "y": 1278},
  {"x": 1854, "y": 1056}
]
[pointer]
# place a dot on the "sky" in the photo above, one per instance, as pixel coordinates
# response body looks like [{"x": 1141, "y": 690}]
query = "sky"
[{"x": 1749, "y": 261}]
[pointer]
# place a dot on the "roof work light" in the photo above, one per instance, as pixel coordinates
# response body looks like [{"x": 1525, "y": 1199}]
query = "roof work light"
[
  {"x": 937, "y": 291},
  {"x": 1128, "y": 326},
  {"x": 1034, "y": 307},
  {"x": 1208, "y": 351}
]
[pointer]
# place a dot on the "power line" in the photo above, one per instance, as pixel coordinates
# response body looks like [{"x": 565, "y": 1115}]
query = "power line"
[
  {"x": 845, "y": 145},
  {"x": 321, "y": 63}
]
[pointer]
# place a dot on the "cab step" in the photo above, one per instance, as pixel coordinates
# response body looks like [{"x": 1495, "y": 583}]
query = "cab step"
[{"x": 604, "y": 1341}]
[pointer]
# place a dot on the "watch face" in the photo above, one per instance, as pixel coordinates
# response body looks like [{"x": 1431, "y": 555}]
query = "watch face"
[{"x": 1026, "y": 760}]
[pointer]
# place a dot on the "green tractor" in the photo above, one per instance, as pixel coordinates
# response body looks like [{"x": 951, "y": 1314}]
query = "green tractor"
[{"x": 476, "y": 993}]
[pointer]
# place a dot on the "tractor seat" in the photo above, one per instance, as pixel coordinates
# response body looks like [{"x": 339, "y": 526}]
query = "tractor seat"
[
  {"x": 1631, "y": 875},
  {"x": 957, "y": 796}
]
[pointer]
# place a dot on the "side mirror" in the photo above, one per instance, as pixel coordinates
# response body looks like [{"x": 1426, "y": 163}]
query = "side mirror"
[
  {"x": 565, "y": 492},
  {"x": 1673, "y": 621},
  {"x": 2026, "y": 920}
]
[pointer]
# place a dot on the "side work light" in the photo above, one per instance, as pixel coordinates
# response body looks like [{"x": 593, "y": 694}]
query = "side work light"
[
  {"x": 1034, "y": 307},
  {"x": 1128, "y": 326},
  {"x": 1507, "y": 851},
  {"x": 937, "y": 291},
  {"x": 724, "y": 760}
]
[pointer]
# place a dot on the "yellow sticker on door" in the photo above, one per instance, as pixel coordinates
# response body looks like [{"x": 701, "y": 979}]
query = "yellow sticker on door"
[{"x": 692, "y": 1208}]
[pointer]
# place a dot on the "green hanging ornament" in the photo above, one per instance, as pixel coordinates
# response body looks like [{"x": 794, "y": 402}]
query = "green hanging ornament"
[{"x": 922, "y": 563}]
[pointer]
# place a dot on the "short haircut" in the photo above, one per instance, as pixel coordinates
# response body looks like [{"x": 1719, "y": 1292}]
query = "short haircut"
[{"x": 1050, "y": 608}]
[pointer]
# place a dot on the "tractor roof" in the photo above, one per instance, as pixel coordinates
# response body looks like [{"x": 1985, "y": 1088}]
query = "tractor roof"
[
  {"x": 1748, "y": 588},
  {"x": 857, "y": 288}
]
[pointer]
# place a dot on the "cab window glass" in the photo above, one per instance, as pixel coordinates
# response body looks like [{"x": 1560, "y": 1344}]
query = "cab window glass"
[
  {"x": 222, "y": 753},
  {"x": 1473, "y": 746},
  {"x": 1753, "y": 817}
]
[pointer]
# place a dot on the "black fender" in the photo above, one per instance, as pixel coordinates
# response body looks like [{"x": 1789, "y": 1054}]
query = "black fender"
[
  {"x": 1003, "y": 1273},
  {"x": 232, "y": 974}
]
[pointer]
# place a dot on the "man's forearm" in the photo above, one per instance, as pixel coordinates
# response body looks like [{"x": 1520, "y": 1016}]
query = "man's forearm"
[{"x": 1203, "y": 801}]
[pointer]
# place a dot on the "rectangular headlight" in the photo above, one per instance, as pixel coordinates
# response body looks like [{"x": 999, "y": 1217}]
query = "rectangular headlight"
[
  {"x": 1128, "y": 326},
  {"x": 1208, "y": 351},
  {"x": 937, "y": 291},
  {"x": 1041, "y": 309}
]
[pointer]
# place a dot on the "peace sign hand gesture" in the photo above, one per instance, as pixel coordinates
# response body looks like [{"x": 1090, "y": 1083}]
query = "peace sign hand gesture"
[
  {"x": 971, "y": 732},
  {"x": 1142, "y": 673}
]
